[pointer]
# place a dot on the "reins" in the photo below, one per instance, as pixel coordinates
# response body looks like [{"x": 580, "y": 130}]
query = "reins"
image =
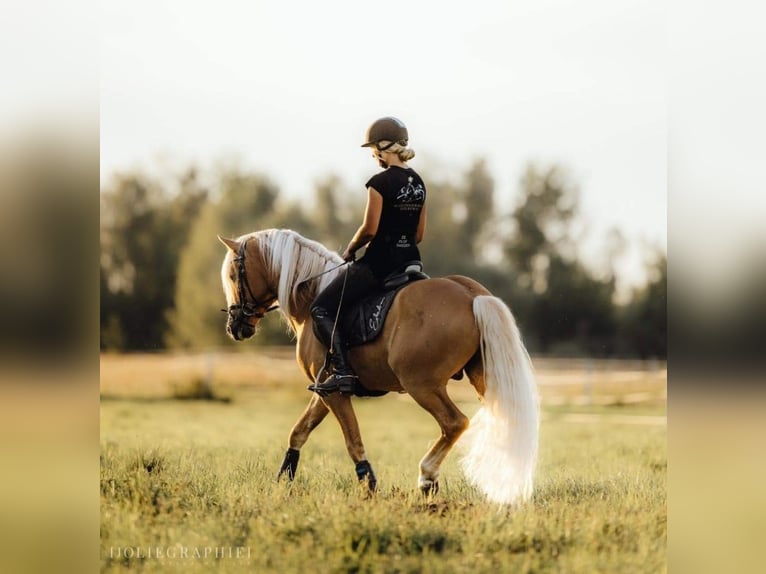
[{"x": 324, "y": 272}]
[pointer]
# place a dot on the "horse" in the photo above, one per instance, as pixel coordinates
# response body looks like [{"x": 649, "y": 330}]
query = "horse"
[{"x": 437, "y": 329}]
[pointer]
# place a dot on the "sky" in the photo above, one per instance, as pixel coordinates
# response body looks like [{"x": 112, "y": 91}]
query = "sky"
[{"x": 289, "y": 88}]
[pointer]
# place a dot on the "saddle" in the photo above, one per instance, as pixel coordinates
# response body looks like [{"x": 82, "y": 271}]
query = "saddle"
[{"x": 363, "y": 323}]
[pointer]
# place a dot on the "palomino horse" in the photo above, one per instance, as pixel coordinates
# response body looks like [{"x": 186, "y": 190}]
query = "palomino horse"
[{"x": 436, "y": 328}]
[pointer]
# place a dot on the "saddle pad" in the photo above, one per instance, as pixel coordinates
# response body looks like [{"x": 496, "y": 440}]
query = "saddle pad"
[{"x": 364, "y": 322}]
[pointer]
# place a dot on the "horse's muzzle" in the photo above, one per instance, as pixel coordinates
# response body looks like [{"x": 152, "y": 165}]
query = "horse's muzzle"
[{"x": 239, "y": 330}]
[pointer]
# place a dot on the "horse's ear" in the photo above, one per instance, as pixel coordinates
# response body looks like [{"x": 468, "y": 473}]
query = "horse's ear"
[{"x": 230, "y": 243}]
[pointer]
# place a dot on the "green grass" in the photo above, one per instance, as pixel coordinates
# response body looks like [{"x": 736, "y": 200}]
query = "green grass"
[{"x": 201, "y": 474}]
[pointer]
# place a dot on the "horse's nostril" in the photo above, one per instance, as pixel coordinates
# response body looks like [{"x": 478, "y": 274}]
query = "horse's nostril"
[{"x": 232, "y": 332}]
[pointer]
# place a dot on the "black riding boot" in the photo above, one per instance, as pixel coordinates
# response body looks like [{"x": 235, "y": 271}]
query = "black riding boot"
[{"x": 342, "y": 377}]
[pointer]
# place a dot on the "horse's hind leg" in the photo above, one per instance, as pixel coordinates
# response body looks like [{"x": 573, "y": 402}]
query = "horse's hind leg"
[
  {"x": 452, "y": 422},
  {"x": 314, "y": 414}
]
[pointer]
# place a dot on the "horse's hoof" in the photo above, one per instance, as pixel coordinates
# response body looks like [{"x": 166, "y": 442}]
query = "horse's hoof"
[
  {"x": 364, "y": 473},
  {"x": 429, "y": 487},
  {"x": 289, "y": 464}
]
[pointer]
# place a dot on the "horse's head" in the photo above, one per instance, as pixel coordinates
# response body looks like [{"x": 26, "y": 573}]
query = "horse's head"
[{"x": 248, "y": 295}]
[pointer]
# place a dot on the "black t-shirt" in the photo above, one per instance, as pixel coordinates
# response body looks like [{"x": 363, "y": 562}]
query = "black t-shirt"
[{"x": 404, "y": 194}]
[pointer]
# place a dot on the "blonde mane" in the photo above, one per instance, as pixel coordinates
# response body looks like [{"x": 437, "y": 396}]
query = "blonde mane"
[{"x": 290, "y": 259}]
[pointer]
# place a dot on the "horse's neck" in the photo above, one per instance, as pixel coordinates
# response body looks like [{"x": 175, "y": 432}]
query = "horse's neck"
[
  {"x": 300, "y": 312},
  {"x": 297, "y": 309},
  {"x": 299, "y": 305},
  {"x": 310, "y": 353}
]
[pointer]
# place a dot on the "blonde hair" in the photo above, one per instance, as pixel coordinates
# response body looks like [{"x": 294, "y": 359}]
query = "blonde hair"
[{"x": 404, "y": 153}]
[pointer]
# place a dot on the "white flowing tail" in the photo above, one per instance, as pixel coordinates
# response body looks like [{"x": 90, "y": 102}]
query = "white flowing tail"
[{"x": 503, "y": 436}]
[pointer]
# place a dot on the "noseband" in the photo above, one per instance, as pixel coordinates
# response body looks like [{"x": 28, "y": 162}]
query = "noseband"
[{"x": 254, "y": 307}]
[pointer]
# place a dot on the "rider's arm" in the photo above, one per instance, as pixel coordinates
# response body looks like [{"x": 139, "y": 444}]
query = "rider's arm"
[{"x": 369, "y": 226}]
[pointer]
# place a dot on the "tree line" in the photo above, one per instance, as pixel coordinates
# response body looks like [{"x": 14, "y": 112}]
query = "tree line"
[{"x": 160, "y": 259}]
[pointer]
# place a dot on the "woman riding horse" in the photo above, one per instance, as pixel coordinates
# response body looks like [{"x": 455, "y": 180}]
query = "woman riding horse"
[
  {"x": 394, "y": 223},
  {"x": 435, "y": 329}
]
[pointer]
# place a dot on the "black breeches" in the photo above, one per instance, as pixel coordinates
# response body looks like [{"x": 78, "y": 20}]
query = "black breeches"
[{"x": 360, "y": 281}]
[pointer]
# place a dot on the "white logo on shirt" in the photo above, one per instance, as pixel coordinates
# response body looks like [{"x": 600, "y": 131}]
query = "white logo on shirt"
[{"x": 411, "y": 193}]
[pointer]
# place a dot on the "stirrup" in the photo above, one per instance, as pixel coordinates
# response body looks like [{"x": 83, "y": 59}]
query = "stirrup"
[{"x": 335, "y": 383}]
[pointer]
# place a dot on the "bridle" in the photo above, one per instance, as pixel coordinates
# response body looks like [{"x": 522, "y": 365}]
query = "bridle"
[{"x": 254, "y": 307}]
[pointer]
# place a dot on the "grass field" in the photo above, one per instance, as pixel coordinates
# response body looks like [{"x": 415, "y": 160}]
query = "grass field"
[{"x": 181, "y": 478}]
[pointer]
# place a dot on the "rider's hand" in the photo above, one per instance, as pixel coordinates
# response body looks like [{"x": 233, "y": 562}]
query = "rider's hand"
[{"x": 348, "y": 255}]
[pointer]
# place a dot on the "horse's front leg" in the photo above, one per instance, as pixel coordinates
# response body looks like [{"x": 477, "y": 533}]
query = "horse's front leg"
[
  {"x": 341, "y": 407},
  {"x": 314, "y": 414}
]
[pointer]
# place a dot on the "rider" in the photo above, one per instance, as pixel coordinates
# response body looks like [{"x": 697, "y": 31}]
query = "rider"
[{"x": 394, "y": 222}]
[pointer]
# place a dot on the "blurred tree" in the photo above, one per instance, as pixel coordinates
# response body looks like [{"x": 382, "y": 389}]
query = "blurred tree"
[
  {"x": 568, "y": 303},
  {"x": 195, "y": 320},
  {"x": 542, "y": 219},
  {"x": 327, "y": 218},
  {"x": 614, "y": 249},
  {"x": 337, "y": 212},
  {"x": 111, "y": 332},
  {"x": 143, "y": 228},
  {"x": 439, "y": 248},
  {"x": 644, "y": 319},
  {"x": 477, "y": 200},
  {"x": 292, "y": 216},
  {"x": 246, "y": 201},
  {"x": 575, "y": 309}
]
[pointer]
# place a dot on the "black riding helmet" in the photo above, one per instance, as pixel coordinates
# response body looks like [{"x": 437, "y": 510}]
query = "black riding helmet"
[{"x": 389, "y": 129}]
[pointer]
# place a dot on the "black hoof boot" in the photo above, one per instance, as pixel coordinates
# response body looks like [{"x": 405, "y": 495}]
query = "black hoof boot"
[
  {"x": 289, "y": 464},
  {"x": 429, "y": 488},
  {"x": 365, "y": 474}
]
